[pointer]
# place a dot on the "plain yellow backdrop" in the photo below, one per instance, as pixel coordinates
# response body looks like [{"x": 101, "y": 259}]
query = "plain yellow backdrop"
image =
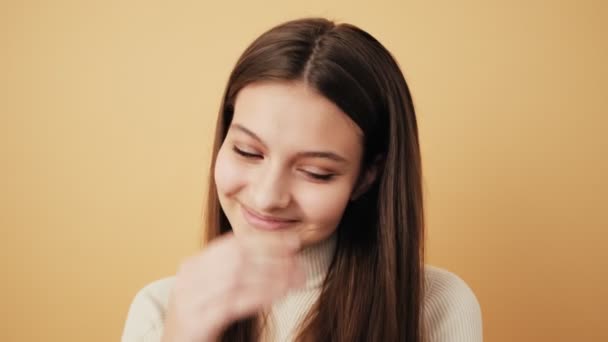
[{"x": 107, "y": 113}]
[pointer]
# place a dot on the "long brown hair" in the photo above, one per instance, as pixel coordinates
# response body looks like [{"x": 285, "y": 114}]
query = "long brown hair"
[{"x": 374, "y": 287}]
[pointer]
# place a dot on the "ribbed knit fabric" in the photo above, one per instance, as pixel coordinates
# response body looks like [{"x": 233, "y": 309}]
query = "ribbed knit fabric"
[
  {"x": 451, "y": 312},
  {"x": 286, "y": 314}
]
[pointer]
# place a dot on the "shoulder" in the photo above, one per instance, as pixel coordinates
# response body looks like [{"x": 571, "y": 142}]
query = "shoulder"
[
  {"x": 147, "y": 312},
  {"x": 451, "y": 312}
]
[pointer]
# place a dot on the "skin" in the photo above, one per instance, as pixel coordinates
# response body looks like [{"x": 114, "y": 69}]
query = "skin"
[
  {"x": 290, "y": 155},
  {"x": 289, "y": 165}
]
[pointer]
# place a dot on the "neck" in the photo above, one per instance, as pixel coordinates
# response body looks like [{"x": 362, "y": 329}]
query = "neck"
[
  {"x": 315, "y": 261},
  {"x": 282, "y": 320}
]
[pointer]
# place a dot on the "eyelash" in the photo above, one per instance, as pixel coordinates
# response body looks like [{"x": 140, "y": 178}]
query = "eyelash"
[
  {"x": 324, "y": 178},
  {"x": 246, "y": 154},
  {"x": 314, "y": 176}
]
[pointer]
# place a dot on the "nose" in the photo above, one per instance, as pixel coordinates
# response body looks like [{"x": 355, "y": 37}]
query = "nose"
[{"x": 271, "y": 190}]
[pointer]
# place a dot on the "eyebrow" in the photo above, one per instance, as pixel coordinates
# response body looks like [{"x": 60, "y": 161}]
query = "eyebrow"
[
  {"x": 306, "y": 154},
  {"x": 248, "y": 132},
  {"x": 322, "y": 154}
]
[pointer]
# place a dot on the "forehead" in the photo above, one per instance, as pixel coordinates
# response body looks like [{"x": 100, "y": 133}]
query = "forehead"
[{"x": 292, "y": 114}]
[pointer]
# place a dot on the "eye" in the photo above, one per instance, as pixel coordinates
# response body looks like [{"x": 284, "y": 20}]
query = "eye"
[
  {"x": 246, "y": 154},
  {"x": 325, "y": 177}
]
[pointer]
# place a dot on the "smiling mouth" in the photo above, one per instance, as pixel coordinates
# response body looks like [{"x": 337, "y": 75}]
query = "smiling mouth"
[{"x": 265, "y": 222}]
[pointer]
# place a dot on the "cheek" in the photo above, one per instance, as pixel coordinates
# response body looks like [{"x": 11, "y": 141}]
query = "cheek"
[
  {"x": 228, "y": 174},
  {"x": 324, "y": 207}
]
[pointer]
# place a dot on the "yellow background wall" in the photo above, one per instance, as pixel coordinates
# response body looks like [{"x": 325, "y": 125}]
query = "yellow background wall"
[{"x": 107, "y": 109}]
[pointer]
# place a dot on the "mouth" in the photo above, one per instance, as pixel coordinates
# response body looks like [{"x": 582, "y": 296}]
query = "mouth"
[{"x": 265, "y": 222}]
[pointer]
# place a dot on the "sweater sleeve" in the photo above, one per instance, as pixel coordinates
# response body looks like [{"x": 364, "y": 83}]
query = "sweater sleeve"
[
  {"x": 146, "y": 315},
  {"x": 451, "y": 311}
]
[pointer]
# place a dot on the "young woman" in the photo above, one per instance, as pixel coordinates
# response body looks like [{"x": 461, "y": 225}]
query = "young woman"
[{"x": 314, "y": 224}]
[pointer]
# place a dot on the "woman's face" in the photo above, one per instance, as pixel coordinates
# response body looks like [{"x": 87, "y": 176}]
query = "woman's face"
[{"x": 290, "y": 161}]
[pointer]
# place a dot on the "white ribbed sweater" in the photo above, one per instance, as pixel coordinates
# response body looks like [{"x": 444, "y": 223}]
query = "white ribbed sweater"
[{"x": 451, "y": 312}]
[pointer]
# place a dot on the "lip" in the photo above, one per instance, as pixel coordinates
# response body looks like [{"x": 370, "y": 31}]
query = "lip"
[{"x": 265, "y": 222}]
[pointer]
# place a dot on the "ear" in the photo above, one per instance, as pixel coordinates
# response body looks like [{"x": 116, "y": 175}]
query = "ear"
[{"x": 367, "y": 178}]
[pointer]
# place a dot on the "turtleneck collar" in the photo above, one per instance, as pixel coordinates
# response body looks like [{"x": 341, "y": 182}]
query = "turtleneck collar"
[{"x": 315, "y": 261}]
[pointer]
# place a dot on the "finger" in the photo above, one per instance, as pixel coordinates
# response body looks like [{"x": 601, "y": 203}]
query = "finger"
[
  {"x": 286, "y": 273},
  {"x": 224, "y": 265},
  {"x": 269, "y": 247},
  {"x": 251, "y": 297}
]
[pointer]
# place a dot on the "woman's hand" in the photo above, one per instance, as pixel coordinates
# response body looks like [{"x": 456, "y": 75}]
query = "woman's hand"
[{"x": 229, "y": 280}]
